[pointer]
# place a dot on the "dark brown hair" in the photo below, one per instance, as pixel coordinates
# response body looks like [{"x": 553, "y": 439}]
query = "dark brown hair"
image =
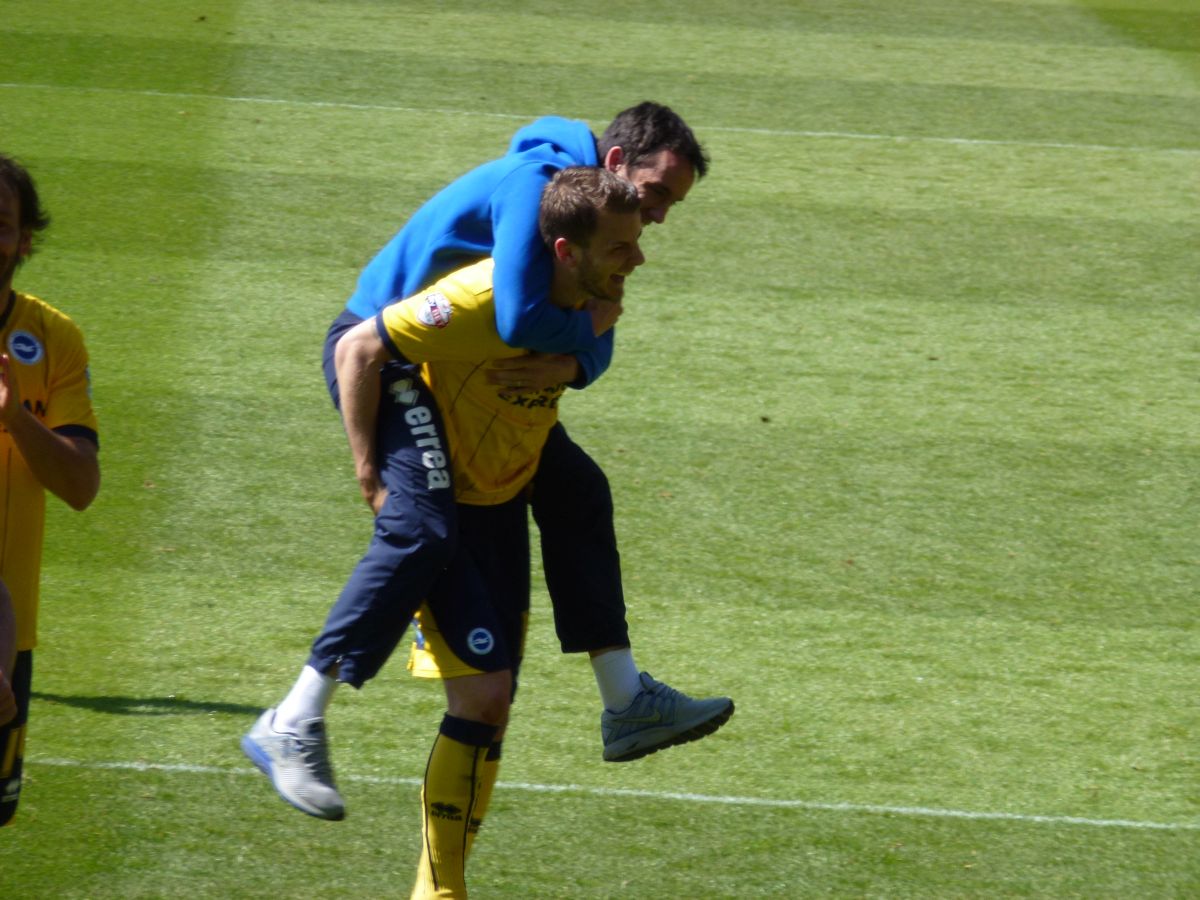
[{"x": 647, "y": 129}]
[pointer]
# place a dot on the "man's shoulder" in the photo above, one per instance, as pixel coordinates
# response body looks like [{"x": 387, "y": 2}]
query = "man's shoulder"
[
  {"x": 33, "y": 304},
  {"x": 32, "y": 312},
  {"x": 567, "y": 140},
  {"x": 464, "y": 292},
  {"x": 474, "y": 280}
]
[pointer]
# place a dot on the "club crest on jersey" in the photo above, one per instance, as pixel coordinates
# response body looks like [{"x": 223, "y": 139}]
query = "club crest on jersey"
[
  {"x": 25, "y": 347},
  {"x": 435, "y": 310},
  {"x": 480, "y": 641}
]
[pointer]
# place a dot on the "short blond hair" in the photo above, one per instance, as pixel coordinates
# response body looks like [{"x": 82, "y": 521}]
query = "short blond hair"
[{"x": 572, "y": 201}]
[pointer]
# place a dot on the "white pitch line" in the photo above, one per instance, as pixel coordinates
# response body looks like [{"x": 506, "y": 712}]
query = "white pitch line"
[
  {"x": 911, "y": 811},
  {"x": 729, "y": 129}
]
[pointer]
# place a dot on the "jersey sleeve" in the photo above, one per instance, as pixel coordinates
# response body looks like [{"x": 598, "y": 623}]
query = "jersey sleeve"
[
  {"x": 525, "y": 317},
  {"x": 594, "y": 363},
  {"x": 452, "y": 322},
  {"x": 69, "y": 405}
]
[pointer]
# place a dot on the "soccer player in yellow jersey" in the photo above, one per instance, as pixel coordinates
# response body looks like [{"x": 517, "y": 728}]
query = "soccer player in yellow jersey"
[
  {"x": 48, "y": 442},
  {"x": 494, "y": 437}
]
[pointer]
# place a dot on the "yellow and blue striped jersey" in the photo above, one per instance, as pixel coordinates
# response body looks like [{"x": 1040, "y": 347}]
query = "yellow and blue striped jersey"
[
  {"x": 49, "y": 362},
  {"x": 495, "y": 435}
]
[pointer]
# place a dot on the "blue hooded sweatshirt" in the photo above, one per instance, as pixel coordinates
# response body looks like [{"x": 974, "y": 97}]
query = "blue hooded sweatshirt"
[{"x": 493, "y": 211}]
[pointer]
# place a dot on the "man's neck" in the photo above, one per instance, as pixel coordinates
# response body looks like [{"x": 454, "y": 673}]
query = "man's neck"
[{"x": 565, "y": 292}]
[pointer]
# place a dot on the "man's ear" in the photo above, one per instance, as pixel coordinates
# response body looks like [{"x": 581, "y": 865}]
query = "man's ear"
[
  {"x": 564, "y": 252},
  {"x": 25, "y": 244},
  {"x": 614, "y": 159}
]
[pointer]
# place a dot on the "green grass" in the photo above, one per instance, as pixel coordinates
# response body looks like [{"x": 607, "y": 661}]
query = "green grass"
[{"x": 902, "y": 432}]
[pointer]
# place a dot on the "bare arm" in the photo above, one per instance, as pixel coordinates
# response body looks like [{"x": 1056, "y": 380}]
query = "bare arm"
[
  {"x": 358, "y": 356},
  {"x": 68, "y": 467}
]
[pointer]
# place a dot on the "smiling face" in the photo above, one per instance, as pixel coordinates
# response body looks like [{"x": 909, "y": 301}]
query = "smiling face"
[
  {"x": 662, "y": 180},
  {"x": 612, "y": 254}
]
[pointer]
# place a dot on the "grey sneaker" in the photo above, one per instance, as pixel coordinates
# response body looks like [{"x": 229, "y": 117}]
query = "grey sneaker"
[
  {"x": 659, "y": 717},
  {"x": 297, "y": 764}
]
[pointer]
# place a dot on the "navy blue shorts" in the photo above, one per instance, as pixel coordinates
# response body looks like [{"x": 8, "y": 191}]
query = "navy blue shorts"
[{"x": 474, "y": 620}]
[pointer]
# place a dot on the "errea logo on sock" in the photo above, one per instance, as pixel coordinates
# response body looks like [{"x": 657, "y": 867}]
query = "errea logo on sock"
[{"x": 445, "y": 811}]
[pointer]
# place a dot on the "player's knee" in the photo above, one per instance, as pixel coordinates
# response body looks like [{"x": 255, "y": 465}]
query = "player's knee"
[
  {"x": 496, "y": 699},
  {"x": 484, "y": 699},
  {"x": 495, "y": 712}
]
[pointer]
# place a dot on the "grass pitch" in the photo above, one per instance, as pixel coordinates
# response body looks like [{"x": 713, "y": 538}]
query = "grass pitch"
[{"x": 902, "y": 432}]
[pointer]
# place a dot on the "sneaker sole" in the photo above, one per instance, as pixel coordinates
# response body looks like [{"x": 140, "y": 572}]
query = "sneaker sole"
[
  {"x": 638, "y": 749},
  {"x": 262, "y": 762}
]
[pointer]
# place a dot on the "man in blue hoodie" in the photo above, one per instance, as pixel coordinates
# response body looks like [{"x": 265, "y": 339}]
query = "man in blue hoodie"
[{"x": 492, "y": 210}]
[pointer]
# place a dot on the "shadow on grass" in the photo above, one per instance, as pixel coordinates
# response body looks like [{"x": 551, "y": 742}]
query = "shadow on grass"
[{"x": 147, "y": 706}]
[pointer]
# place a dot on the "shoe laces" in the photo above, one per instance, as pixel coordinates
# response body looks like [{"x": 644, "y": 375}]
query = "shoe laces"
[{"x": 313, "y": 753}]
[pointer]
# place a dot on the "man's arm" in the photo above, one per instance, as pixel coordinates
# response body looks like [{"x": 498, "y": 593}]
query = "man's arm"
[
  {"x": 525, "y": 317},
  {"x": 358, "y": 356},
  {"x": 67, "y": 466},
  {"x": 594, "y": 363},
  {"x": 542, "y": 370},
  {"x": 534, "y": 371}
]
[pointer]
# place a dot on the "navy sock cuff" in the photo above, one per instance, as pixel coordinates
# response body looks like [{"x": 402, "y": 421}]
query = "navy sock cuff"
[{"x": 473, "y": 734}]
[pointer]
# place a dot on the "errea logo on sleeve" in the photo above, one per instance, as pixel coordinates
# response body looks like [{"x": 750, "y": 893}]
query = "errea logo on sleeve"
[
  {"x": 25, "y": 348},
  {"x": 435, "y": 310}
]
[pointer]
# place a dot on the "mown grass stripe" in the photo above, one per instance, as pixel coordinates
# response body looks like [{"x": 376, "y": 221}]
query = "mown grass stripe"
[{"x": 702, "y": 127}]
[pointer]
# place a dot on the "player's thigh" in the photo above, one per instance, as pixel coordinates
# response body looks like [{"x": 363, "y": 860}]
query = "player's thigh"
[
  {"x": 412, "y": 454},
  {"x": 564, "y": 462},
  {"x": 570, "y": 491},
  {"x": 475, "y": 617},
  {"x": 497, "y": 540}
]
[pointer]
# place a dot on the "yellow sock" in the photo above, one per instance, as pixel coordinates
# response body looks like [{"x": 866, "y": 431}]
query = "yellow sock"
[
  {"x": 453, "y": 778},
  {"x": 487, "y": 780}
]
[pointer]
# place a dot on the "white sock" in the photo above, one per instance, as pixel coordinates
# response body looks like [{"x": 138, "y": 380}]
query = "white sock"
[
  {"x": 308, "y": 699},
  {"x": 617, "y": 677}
]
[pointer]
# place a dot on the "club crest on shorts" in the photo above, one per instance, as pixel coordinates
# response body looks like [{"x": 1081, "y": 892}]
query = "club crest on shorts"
[
  {"x": 25, "y": 347},
  {"x": 435, "y": 310},
  {"x": 480, "y": 641}
]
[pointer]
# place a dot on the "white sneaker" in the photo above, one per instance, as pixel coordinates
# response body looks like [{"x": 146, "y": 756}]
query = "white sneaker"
[
  {"x": 297, "y": 764},
  {"x": 659, "y": 717}
]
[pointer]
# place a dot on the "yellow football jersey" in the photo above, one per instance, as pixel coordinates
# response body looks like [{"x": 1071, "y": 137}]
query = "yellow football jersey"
[
  {"x": 49, "y": 362},
  {"x": 495, "y": 435}
]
